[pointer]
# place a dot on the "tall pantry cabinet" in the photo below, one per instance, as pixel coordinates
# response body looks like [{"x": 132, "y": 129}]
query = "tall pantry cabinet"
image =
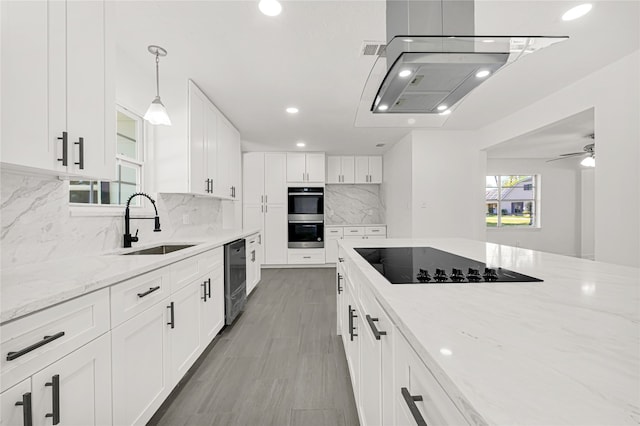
[
  {"x": 265, "y": 201},
  {"x": 58, "y": 87}
]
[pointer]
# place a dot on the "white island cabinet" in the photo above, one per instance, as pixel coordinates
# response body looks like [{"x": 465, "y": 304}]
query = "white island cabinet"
[
  {"x": 491, "y": 352},
  {"x": 58, "y": 87}
]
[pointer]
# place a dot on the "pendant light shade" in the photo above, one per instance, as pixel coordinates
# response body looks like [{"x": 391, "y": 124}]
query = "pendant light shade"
[
  {"x": 157, "y": 113},
  {"x": 589, "y": 161}
]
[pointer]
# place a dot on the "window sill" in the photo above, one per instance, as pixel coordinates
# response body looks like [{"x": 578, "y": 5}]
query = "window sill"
[
  {"x": 508, "y": 228},
  {"x": 76, "y": 210}
]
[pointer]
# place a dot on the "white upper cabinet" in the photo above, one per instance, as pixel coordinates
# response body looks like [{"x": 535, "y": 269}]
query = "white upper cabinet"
[
  {"x": 368, "y": 169},
  {"x": 305, "y": 167},
  {"x": 214, "y": 156},
  {"x": 275, "y": 179},
  {"x": 254, "y": 179},
  {"x": 58, "y": 87},
  {"x": 340, "y": 169}
]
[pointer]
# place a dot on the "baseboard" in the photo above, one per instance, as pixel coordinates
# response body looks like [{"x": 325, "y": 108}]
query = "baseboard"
[{"x": 319, "y": 265}]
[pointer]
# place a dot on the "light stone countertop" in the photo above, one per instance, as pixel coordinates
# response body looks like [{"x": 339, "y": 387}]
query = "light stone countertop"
[
  {"x": 565, "y": 351},
  {"x": 30, "y": 288},
  {"x": 342, "y": 225}
]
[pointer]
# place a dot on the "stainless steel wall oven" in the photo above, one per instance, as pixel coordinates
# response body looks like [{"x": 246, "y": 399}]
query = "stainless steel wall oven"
[
  {"x": 306, "y": 203},
  {"x": 306, "y": 234}
]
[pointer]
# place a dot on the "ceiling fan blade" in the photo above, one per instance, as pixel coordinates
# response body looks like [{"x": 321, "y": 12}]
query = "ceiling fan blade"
[
  {"x": 567, "y": 156},
  {"x": 571, "y": 154}
]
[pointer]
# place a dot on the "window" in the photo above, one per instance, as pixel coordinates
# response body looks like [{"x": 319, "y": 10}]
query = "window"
[
  {"x": 129, "y": 163},
  {"x": 512, "y": 201}
]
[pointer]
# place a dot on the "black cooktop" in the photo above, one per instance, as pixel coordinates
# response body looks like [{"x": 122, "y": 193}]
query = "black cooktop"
[{"x": 426, "y": 265}]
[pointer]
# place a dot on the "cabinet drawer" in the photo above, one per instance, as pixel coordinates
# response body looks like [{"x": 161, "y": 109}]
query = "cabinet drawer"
[
  {"x": 333, "y": 232},
  {"x": 411, "y": 373},
  {"x": 133, "y": 296},
  {"x": 375, "y": 230},
  {"x": 306, "y": 256},
  {"x": 185, "y": 271},
  {"x": 81, "y": 320},
  {"x": 252, "y": 240},
  {"x": 353, "y": 231}
]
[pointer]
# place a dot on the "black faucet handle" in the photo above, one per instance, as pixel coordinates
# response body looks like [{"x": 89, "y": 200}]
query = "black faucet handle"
[{"x": 156, "y": 228}]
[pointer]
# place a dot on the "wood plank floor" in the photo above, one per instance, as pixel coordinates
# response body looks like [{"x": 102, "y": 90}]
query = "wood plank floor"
[{"x": 279, "y": 364}]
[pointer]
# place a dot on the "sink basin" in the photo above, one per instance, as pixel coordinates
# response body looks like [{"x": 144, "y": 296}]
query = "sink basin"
[{"x": 164, "y": 249}]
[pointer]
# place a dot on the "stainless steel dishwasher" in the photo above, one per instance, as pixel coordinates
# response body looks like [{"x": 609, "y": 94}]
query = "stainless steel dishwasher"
[{"x": 235, "y": 279}]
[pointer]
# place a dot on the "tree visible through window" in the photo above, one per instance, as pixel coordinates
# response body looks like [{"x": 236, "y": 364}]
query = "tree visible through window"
[
  {"x": 512, "y": 201},
  {"x": 129, "y": 162}
]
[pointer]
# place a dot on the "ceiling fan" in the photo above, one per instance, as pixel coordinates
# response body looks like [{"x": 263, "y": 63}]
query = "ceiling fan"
[{"x": 589, "y": 152}]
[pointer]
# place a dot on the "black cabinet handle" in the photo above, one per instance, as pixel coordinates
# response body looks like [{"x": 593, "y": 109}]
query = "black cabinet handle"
[
  {"x": 204, "y": 288},
  {"x": 80, "y": 144},
  {"x": 209, "y": 288},
  {"x": 47, "y": 339},
  {"x": 253, "y": 255},
  {"x": 148, "y": 292},
  {"x": 411, "y": 403},
  {"x": 376, "y": 332},
  {"x": 339, "y": 288},
  {"x": 55, "y": 399},
  {"x": 352, "y": 315},
  {"x": 340, "y": 259},
  {"x": 65, "y": 144},
  {"x": 27, "y": 420},
  {"x": 172, "y": 321}
]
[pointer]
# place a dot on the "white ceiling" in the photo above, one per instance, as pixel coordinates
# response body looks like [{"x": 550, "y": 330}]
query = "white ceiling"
[{"x": 253, "y": 66}]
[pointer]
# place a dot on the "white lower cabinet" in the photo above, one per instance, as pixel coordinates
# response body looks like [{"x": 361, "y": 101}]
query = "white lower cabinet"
[
  {"x": 15, "y": 404},
  {"x": 254, "y": 262},
  {"x": 333, "y": 234},
  {"x": 184, "y": 328},
  {"x": 351, "y": 337},
  {"x": 212, "y": 304},
  {"x": 141, "y": 367}
]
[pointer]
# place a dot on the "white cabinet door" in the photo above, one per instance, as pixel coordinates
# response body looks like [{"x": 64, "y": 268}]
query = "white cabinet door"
[
  {"x": 225, "y": 151},
  {"x": 296, "y": 167},
  {"x": 24, "y": 136},
  {"x": 211, "y": 148},
  {"x": 275, "y": 234},
  {"x": 253, "y": 216},
  {"x": 348, "y": 169},
  {"x": 315, "y": 167},
  {"x": 82, "y": 381},
  {"x": 197, "y": 142},
  {"x": 235, "y": 163},
  {"x": 353, "y": 336},
  {"x": 275, "y": 177},
  {"x": 185, "y": 330},
  {"x": 141, "y": 376},
  {"x": 253, "y": 169},
  {"x": 10, "y": 413},
  {"x": 334, "y": 169},
  {"x": 375, "y": 169},
  {"x": 362, "y": 169},
  {"x": 212, "y": 308},
  {"x": 331, "y": 246}
]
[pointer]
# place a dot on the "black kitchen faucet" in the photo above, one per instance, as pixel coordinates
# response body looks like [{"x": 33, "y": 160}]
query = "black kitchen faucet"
[{"x": 128, "y": 239}]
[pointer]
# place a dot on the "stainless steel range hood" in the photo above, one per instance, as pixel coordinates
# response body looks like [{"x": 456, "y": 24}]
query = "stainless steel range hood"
[{"x": 433, "y": 59}]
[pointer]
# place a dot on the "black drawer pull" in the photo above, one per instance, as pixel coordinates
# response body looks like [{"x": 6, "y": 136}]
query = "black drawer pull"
[
  {"x": 209, "y": 288},
  {"x": 376, "y": 333},
  {"x": 80, "y": 163},
  {"x": 27, "y": 420},
  {"x": 55, "y": 399},
  {"x": 411, "y": 403},
  {"x": 65, "y": 143},
  {"x": 204, "y": 288},
  {"x": 352, "y": 315},
  {"x": 148, "y": 292},
  {"x": 339, "y": 288},
  {"x": 47, "y": 339},
  {"x": 340, "y": 259},
  {"x": 172, "y": 321}
]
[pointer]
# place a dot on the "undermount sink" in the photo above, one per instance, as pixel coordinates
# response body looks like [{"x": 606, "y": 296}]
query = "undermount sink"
[{"x": 163, "y": 249}]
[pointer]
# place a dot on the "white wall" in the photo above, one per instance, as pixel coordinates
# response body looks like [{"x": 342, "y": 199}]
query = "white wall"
[
  {"x": 448, "y": 185},
  {"x": 560, "y": 211},
  {"x": 614, "y": 93},
  {"x": 397, "y": 188},
  {"x": 587, "y": 213}
]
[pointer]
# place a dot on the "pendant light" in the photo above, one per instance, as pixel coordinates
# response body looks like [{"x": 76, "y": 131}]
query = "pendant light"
[
  {"x": 589, "y": 161},
  {"x": 157, "y": 113}
]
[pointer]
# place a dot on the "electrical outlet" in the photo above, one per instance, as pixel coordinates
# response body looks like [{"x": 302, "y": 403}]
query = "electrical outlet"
[{"x": 185, "y": 219}]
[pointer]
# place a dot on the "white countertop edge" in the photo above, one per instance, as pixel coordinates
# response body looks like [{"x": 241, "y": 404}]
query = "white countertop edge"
[{"x": 13, "y": 310}]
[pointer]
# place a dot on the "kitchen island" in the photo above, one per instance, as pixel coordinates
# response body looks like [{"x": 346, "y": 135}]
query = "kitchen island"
[{"x": 562, "y": 351}]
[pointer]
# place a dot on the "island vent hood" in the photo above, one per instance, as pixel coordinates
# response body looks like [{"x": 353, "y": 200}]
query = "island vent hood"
[{"x": 433, "y": 59}]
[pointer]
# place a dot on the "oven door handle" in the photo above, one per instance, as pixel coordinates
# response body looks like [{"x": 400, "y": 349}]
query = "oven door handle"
[
  {"x": 306, "y": 194},
  {"x": 306, "y": 221}
]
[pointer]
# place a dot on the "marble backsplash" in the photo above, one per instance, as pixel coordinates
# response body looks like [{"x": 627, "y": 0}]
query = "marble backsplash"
[
  {"x": 353, "y": 204},
  {"x": 38, "y": 224}
]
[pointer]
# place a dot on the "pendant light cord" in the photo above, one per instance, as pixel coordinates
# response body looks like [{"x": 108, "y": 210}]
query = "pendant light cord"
[{"x": 157, "y": 75}]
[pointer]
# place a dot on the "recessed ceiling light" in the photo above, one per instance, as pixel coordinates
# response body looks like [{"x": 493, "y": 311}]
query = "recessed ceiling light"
[
  {"x": 270, "y": 7},
  {"x": 411, "y": 121},
  {"x": 379, "y": 145},
  {"x": 446, "y": 351},
  {"x": 577, "y": 12},
  {"x": 404, "y": 73},
  {"x": 383, "y": 107},
  {"x": 447, "y": 112},
  {"x": 408, "y": 40},
  {"x": 442, "y": 107},
  {"x": 483, "y": 73},
  {"x": 300, "y": 144},
  {"x": 378, "y": 99},
  {"x": 292, "y": 110},
  {"x": 488, "y": 40}
]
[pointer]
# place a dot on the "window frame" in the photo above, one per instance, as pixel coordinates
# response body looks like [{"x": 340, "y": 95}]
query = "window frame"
[
  {"x": 86, "y": 209},
  {"x": 537, "y": 200}
]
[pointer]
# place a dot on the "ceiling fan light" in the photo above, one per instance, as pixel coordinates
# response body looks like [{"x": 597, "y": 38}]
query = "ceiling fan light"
[{"x": 589, "y": 161}]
